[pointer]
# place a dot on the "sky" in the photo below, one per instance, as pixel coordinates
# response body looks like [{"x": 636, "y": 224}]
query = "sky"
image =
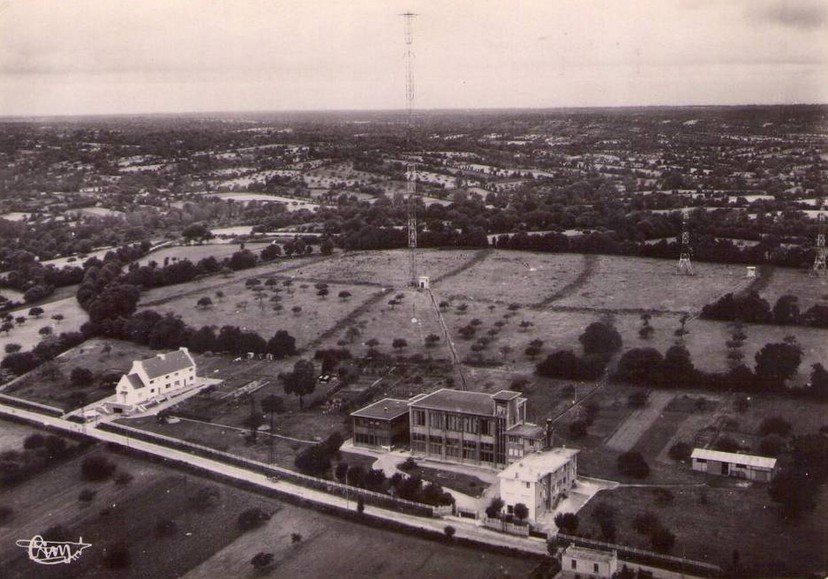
[{"x": 77, "y": 57}]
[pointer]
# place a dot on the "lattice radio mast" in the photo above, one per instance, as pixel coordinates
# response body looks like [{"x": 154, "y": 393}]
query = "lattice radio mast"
[
  {"x": 410, "y": 167},
  {"x": 820, "y": 268},
  {"x": 685, "y": 267}
]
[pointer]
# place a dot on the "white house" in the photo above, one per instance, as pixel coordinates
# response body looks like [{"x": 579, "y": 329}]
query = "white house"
[
  {"x": 148, "y": 380},
  {"x": 747, "y": 466},
  {"x": 536, "y": 480},
  {"x": 583, "y": 563}
]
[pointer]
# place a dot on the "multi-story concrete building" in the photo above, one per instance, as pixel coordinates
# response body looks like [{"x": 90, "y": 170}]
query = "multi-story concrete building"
[
  {"x": 538, "y": 480},
  {"x": 472, "y": 427},
  {"x": 383, "y": 424}
]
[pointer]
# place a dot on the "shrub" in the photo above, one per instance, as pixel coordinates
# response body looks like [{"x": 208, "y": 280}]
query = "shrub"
[
  {"x": 521, "y": 511},
  {"x": 295, "y": 538},
  {"x": 726, "y": 444},
  {"x": 261, "y": 560},
  {"x": 662, "y": 540},
  {"x": 34, "y": 441},
  {"x": 632, "y": 464},
  {"x": 97, "y": 469},
  {"x": 681, "y": 451},
  {"x": 775, "y": 425},
  {"x": 449, "y": 531},
  {"x": 408, "y": 465},
  {"x": 252, "y": 519},
  {"x": 645, "y": 523}
]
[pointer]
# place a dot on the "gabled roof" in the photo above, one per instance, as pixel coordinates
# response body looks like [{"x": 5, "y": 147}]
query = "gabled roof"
[
  {"x": 457, "y": 401},
  {"x": 762, "y": 462},
  {"x": 167, "y": 363},
  {"x": 385, "y": 409},
  {"x": 135, "y": 381}
]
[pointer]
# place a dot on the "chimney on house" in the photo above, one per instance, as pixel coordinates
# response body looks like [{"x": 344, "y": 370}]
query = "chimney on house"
[{"x": 549, "y": 433}]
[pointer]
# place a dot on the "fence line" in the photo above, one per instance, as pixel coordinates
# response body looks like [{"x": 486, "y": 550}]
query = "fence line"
[
  {"x": 649, "y": 557},
  {"x": 328, "y": 486}
]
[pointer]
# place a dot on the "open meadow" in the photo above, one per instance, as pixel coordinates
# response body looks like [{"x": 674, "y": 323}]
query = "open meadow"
[{"x": 27, "y": 334}]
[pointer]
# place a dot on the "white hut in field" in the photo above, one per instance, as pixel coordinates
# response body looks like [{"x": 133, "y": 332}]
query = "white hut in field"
[
  {"x": 148, "y": 380},
  {"x": 755, "y": 468}
]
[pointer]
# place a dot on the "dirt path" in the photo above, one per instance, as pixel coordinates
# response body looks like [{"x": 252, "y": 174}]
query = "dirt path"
[
  {"x": 590, "y": 266},
  {"x": 344, "y": 322},
  {"x": 479, "y": 256},
  {"x": 628, "y": 433}
]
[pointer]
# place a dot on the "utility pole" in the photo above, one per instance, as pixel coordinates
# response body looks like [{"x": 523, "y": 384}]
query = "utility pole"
[
  {"x": 820, "y": 269},
  {"x": 685, "y": 267}
]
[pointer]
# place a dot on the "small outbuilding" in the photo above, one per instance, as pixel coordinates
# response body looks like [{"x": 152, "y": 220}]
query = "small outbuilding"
[
  {"x": 423, "y": 282},
  {"x": 746, "y": 466},
  {"x": 383, "y": 424},
  {"x": 584, "y": 563}
]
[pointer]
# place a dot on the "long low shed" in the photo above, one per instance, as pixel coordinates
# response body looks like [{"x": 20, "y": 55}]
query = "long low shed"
[{"x": 756, "y": 468}]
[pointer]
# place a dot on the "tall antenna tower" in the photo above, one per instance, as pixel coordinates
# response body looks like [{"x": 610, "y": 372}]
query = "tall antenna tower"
[
  {"x": 685, "y": 267},
  {"x": 410, "y": 167},
  {"x": 820, "y": 268}
]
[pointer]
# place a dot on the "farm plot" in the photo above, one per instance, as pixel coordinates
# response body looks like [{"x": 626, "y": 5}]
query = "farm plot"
[
  {"x": 12, "y": 435},
  {"x": 637, "y": 283},
  {"x": 290, "y": 203},
  {"x": 710, "y": 523},
  {"x": 354, "y": 551},
  {"x": 27, "y": 335},
  {"x": 271, "y": 309},
  {"x": 387, "y": 268},
  {"x": 524, "y": 278}
]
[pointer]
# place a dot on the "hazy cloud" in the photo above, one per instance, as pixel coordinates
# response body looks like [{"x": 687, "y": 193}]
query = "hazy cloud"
[{"x": 799, "y": 14}]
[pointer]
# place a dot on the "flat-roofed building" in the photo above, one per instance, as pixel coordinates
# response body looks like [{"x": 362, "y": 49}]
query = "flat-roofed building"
[
  {"x": 538, "y": 479},
  {"x": 750, "y": 467},
  {"x": 584, "y": 563},
  {"x": 383, "y": 424},
  {"x": 472, "y": 427}
]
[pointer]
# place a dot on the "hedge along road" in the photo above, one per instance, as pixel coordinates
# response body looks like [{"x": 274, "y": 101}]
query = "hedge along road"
[{"x": 464, "y": 529}]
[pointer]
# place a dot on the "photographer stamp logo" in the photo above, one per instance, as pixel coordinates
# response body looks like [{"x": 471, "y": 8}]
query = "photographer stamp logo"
[{"x": 52, "y": 552}]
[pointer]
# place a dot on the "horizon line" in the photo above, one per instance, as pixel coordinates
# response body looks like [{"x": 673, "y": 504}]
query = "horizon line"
[{"x": 23, "y": 117}]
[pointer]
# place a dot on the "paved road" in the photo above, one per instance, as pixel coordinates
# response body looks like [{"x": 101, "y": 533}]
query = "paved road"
[{"x": 465, "y": 528}]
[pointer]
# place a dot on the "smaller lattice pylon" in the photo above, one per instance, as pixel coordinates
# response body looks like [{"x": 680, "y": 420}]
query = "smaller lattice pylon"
[
  {"x": 685, "y": 266},
  {"x": 820, "y": 268}
]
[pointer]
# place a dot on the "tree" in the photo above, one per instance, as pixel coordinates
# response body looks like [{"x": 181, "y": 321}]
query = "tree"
[
  {"x": 786, "y": 310},
  {"x": 632, "y": 464},
  {"x": 219, "y": 295},
  {"x": 577, "y": 429},
  {"x": 36, "y": 312},
  {"x": 521, "y": 511},
  {"x": 431, "y": 340},
  {"x": 196, "y": 231},
  {"x": 12, "y": 348},
  {"x": 567, "y": 522},
  {"x": 449, "y": 531},
  {"x": 495, "y": 507},
  {"x": 262, "y": 560},
  {"x": 678, "y": 367},
  {"x": 641, "y": 366},
  {"x": 326, "y": 247},
  {"x": 775, "y": 363},
  {"x": 204, "y": 303},
  {"x": 399, "y": 344},
  {"x": 81, "y": 377},
  {"x": 300, "y": 382},
  {"x": 600, "y": 338},
  {"x": 680, "y": 451},
  {"x": 45, "y": 331},
  {"x": 819, "y": 382},
  {"x": 58, "y": 318},
  {"x": 344, "y": 295},
  {"x": 6, "y": 327},
  {"x": 281, "y": 345}
]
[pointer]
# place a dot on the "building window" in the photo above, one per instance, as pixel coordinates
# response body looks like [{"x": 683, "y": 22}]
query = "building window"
[
  {"x": 701, "y": 460},
  {"x": 437, "y": 420},
  {"x": 595, "y": 567},
  {"x": 454, "y": 423},
  {"x": 574, "y": 564},
  {"x": 486, "y": 427},
  {"x": 419, "y": 417}
]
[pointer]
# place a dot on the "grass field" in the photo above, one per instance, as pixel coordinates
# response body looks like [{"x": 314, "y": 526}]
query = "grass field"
[
  {"x": 197, "y": 252},
  {"x": 27, "y": 334},
  {"x": 331, "y": 547},
  {"x": 709, "y": 523}
]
